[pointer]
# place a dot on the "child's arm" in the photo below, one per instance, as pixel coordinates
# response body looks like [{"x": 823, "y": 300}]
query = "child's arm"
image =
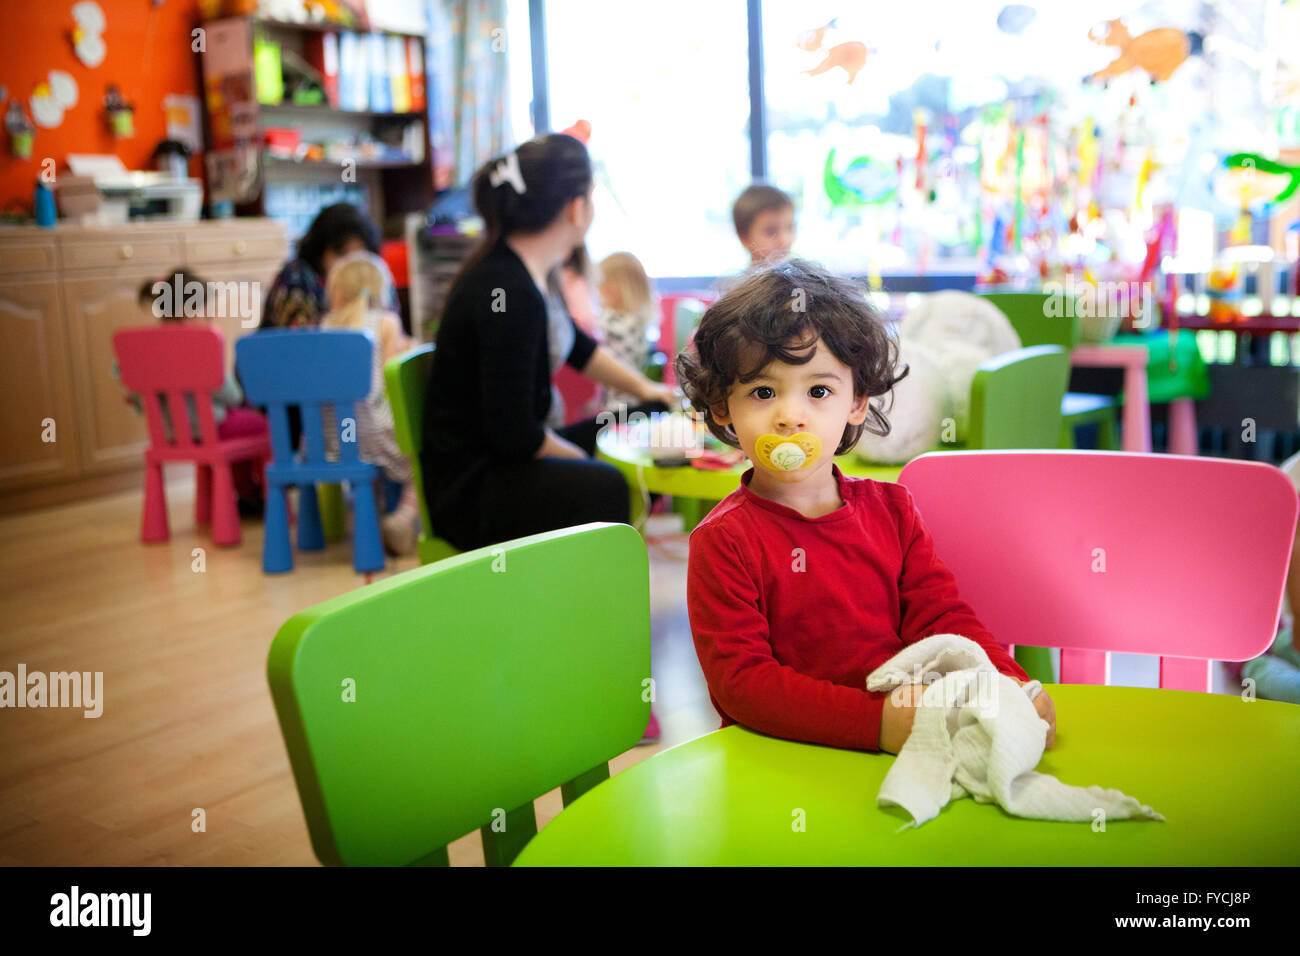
[
  {"x": 927, "y": 595},
  {"x": 393, "y": 338},
  {"x": 747, "y": 682}
]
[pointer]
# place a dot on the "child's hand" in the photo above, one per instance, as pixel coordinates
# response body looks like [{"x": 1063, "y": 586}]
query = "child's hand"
[
  {"x": 897, "y": 717},
  {"x": 1046, "y": 708}
]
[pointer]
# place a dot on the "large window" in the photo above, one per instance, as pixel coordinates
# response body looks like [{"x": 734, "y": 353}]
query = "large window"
[
  {"x": 930, "y": 136},
  {"x": 665, "y": 87}
]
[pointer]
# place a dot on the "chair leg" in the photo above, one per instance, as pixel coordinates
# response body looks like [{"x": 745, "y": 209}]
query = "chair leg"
[
  {"x": 276, "y": 554},
  {"x": 202, "y": 495},
  {"x": 225, "y": 514},
  {"x": 1182, "y": 427},
  {"x": 583, "y": 782},
  {"x": 310, "y": 535},
  {"x": 153, "y": 525},
  {"x": 367, "y": 546},
  {"x": 500, "y": 849}
]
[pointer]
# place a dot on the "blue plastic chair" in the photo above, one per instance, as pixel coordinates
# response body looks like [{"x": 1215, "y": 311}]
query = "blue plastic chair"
[{"x": 309, "y": 368}]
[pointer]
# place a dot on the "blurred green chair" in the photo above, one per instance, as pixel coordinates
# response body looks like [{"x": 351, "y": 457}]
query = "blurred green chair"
[
  {"x": 406, "y": 382},
  {"x": 1031, "y": 316},
  {"x": 447, "y": 698},
  {"x": 1015, "y": 402}
]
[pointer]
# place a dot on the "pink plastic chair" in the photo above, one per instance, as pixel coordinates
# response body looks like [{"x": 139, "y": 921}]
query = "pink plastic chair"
[
  {"x": 1093, "y": 552},
  {"x": 667, "y": 331},
  {"x": 177, "y": 361}
]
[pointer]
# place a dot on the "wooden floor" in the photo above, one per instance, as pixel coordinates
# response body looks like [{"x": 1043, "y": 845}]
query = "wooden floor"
[{"x": 187, "y": 717}]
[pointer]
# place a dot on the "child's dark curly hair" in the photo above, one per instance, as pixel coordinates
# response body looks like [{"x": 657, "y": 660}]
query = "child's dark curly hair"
[{"x": 783, "y": 309}]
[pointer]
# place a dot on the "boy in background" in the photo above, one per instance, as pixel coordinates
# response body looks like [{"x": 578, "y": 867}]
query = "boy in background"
[{"x": 764, "y": 219}]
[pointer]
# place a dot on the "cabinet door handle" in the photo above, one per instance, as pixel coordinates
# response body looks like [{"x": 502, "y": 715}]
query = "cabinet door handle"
[
  {"x": 240, "y": 247},
  {"x": 127, "y": 252}
]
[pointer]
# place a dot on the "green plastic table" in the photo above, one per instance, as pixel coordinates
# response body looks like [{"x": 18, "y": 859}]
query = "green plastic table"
[
  {"x": 695, "y": 490},
  {"x": 1224, "y": 772}
]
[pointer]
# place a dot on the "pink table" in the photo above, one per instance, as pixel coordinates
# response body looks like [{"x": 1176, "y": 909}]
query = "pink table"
[
  {"x": 1133, "y": 360},
  {"x": 1137, "y": 409}
]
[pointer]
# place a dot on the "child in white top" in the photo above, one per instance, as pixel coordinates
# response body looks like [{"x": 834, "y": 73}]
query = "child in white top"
[
  {"x": 628, "y": 311},
  {"x": 356, "y": 287}
]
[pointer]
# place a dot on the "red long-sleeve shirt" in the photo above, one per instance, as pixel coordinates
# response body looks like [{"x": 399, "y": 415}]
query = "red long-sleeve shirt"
[{"x": 790, "y": 614}]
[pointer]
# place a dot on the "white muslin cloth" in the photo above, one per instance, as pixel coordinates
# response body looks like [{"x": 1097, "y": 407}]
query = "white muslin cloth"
[{"x": 978, "y": 734}]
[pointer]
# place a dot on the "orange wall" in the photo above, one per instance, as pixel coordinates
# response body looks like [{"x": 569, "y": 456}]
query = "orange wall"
[{"x": 148, "y": 56}]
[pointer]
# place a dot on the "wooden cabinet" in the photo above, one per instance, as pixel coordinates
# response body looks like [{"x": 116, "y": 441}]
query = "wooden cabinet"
[
  {"x": 63, "y": 294},
  {"x": 34, "y": 390},
  {"x": 111, "y": 435}
]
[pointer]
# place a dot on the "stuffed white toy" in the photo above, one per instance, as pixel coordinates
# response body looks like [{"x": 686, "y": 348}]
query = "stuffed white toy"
[{"x": 943, "y": 340}]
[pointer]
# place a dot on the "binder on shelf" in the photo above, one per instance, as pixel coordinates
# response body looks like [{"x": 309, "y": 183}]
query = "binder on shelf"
[
  {"x": 415, "y": 71},
  {"x": 381, "y": 91},
  {"x": 321, "y": 51},
  {"x": 398, "y": 80},
  {"x": 352, "y": 88}
]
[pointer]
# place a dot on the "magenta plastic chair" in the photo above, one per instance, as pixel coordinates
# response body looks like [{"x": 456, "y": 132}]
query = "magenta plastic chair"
[
  {"x": 1092, "y": 552},
  {"x": 182, "y": 361}
]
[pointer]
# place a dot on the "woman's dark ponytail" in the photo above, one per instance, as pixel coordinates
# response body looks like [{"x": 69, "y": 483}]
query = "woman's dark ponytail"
[{"x": 554, "y": 169}]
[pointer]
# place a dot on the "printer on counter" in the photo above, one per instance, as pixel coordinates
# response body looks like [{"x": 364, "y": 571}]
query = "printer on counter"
[{"x": 99, "y": 189}]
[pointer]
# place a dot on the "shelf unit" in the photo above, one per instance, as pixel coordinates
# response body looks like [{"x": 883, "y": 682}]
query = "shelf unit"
[{"x": 290, "y": 190}]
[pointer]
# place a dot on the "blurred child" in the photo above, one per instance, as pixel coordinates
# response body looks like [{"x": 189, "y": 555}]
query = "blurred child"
[
  {"x": 233, "y": 418},
  {"x": 787, "y": 635},
  {"x": 356, "y": 288},
  {"x": 764, "y": 218},
  {"x": 627, "y": 312}
]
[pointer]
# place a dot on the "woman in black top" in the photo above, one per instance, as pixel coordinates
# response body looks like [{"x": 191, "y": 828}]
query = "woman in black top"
[{"x": 493, "y": 470}]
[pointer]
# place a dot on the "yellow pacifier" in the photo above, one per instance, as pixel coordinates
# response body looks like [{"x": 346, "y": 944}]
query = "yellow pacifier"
[{"x": 787, "y": 452}]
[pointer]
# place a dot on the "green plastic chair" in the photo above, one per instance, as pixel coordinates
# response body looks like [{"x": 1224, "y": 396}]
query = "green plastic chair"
[
  {"x": 1015, "y": 399},
  {"x": 1030, "y": 316},
  {"x": 406, "y": 382},
  {"x": 686, "y": 319},
  {"x": 447, "y": 698}
]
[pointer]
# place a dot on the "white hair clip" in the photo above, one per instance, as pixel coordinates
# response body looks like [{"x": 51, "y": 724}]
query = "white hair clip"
[{"x": 508, "y": 171}]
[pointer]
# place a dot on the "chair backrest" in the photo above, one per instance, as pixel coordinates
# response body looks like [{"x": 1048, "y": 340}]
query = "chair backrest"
[
  {"x": 176, "y": 361},
  {"x": 578, "y": 393},
  {"x": 1040, "y": 318},
  {"x": 686, "y": 319},
  {"x": 481, "y": 682},
  {"x": 308, "y": 368},
  {"x": 1016, "y": 399},
  {"x": 1170, "y": 555},
  {"x": 406, "y": 382},
  {"x": 670, "y": 343}
]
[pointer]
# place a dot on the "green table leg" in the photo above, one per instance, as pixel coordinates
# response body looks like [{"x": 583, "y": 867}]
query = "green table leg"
[
  {"x": 692, "y": 510},
  {"x": 636, "y": 506}
]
